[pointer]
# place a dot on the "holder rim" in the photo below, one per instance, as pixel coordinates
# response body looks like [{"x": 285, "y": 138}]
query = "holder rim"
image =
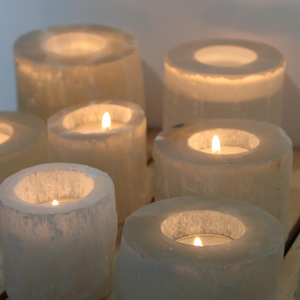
[
  {"x": 103, "y": 185},
  {"x": 173, "y": 143},
  {"x": 263, "y": 233}
]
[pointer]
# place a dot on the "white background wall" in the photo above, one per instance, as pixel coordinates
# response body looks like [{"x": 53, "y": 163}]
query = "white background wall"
[{"x": 160, "y": 25}]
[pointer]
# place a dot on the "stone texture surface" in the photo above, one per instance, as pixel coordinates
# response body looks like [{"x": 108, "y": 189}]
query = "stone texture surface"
[
  {"x": 48, "y": 81},
  {"x": 120, "y": 152},
  {"x": 152, "y": 265},
  {"x": 27, "y": 145},
  {"x": 260, "y": 176},
  {"x": 58, "y": 252},
  {"x": 196, "y": 90}
]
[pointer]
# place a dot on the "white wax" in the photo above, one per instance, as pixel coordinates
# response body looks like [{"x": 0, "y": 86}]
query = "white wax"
[
  {"x": 96, "y": 127},
  {"x": 225, "y": 150},
  {"x": 206, "y": 239},
  {"x": 61, "y": 201},
  {"x": 3, "y": 138}
]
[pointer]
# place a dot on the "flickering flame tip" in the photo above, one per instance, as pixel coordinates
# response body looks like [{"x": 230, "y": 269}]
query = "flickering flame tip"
[
  {"x": 197, "y": 242},
  {"x": 215, "y": 145},
  {"x": 106, "y": 121}
]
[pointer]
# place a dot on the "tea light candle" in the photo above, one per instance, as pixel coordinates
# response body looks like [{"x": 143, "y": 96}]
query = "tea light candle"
[
  {"x": 153, "y": 265},
  {"x": 65, "y": 65},
  {"x": 60, "y": 251},
  {"x": 203, "y": 240},
  {"x": 60, "y": 201},
  {"x": 217, "y": 149},
  {"x": 260, "y": 174},
  {"x": 23, "y": 142},
  {"x": 77, "y": 134},
  {"x": 96, "y": 127},
  {"x": 223, "y": 78}
]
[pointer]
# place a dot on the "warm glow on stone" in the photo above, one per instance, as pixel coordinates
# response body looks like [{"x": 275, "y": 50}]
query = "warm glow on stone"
[
  {"x": 66, "y": 65},
  {"x": 107, "y": 135},
  {"x": 153, "y": 264},
  {"x": 254, "y": 163},
  {"x": 223, "y": 78},
  {"x": 56, "y": 240}
]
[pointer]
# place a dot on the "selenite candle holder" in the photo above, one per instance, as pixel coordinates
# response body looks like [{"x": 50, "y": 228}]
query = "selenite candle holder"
[
  {"x": 61, "y": 66},
  {"x": 260, "y": 176},
  {"x": 23, "y": 142},
  {"x": 58, "y": 252},
  {"x": 223, "y": 78},
  {"x": 119, "y": 151},
  {"x": 153, "y": 265}
]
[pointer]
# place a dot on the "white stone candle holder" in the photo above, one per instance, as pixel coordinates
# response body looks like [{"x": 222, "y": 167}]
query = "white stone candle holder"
[
  {"x": 58, "y": 252},
  {"x": 223, "y": 78},
  {"x": 260, "y": 176},
  {"x": 119, "y": 151},
  {"x": 65, "y": 65},
  {"x": 23, "y": 142},
  {"x": 153, "y": 265}
]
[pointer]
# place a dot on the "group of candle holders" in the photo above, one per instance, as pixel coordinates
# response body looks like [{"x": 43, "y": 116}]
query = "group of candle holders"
[{"x": 74, "y": 188}]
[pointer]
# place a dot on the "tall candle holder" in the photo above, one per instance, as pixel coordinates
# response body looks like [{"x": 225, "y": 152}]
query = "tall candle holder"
[
  {"x": 62, "y": 251},
  {"x": 253, "y": 165},
  {"x": 61, "y": 66},
  {"x": 223, "y": 78},
  {"x": 153, "y": 265},
  {"x": 77, "y": 135}
]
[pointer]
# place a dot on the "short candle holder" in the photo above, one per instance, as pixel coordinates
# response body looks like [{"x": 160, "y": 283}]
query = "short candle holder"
[
  {"x": 62, "y": 251},
  {"x": 223, "y": 78},
  {"x": 23, "y": 142},
  {"x": 61, "y": 66},
  {"x": 153, "y": 265},
  {"x": 79, "y": 134},
  {"x": 253, "y": 163}
]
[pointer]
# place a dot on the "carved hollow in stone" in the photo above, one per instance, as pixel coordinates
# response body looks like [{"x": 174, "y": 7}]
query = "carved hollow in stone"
[
  {"x": 61, "y": 66},
  {"x": 152, "y": 265},
  {"x": 58, "y": 252},
  {"x": 223, "y": 78}
]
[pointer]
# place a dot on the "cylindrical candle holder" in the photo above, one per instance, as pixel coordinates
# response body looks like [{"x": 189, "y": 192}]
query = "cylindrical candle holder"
[
  {"x": 23, "y": 142},
  {"x": 76, "y": 135},
  {"x": 153, "y": 265},
  {"x": 65, "y": 65},
  {"x": 259, "y": 172},
  {"x": 60, "y": 251},
  {"x": 223, "y": 78}
]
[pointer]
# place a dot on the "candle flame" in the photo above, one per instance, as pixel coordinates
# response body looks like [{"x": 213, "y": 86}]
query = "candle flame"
[
  {"x": 215, "y": 145},
  {"x": 106, "y": 121},
  {"x": 197, "y": 242},
  {"x": 55, "y": 202}
]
